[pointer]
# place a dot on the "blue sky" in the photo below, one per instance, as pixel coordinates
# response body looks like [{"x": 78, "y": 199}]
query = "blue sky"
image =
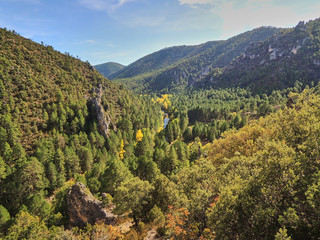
[{"x": 124, "y": 30}]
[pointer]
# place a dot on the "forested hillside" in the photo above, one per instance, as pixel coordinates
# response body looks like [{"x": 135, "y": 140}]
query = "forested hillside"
[
  {"x": 278, "y": 62},
  {"x": 176, "y": 68},
  {"x": 262, "y": 60},
  {"x": 155, "y": 61},
  {"x": 107, "y": 69},
  {"x": 59, "y": 120},
  {"x": 83, "y": 158},
  {"x": 42, "y": 89}
]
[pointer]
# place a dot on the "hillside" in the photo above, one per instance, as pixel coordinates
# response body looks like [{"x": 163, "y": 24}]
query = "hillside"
[
  {"x": 36, "y": 79},
  {"x": 276, "y": 63},
  {"x": 178, "y": 67},
  {"x": 263, "y": 59},
  {"x": 109, "y": 68},
  {"x": 82, "y": 158},
  {"x": 59, "y": 120},
  {"x": 161, "y": 59}
]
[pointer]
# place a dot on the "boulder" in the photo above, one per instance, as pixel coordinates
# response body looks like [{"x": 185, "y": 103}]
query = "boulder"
[{"x": 84, "y": 208}]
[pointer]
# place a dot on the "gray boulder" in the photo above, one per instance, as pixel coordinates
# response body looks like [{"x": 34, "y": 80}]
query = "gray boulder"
[{"x": 84, "y": 208}]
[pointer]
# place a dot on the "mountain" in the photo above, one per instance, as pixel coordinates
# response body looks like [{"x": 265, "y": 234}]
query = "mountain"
[
  {"x": 36, "y": 80},
  {"x": 177, "y": 67},
  {"x": 77, "y": 150},
  {"x": 61, "y": 122},
  {"x": 158, "y": 60},
  {"x": 263, "y": 60},
  {"x": 109, "y": 68},
  {"x": 291, "y": 55}
]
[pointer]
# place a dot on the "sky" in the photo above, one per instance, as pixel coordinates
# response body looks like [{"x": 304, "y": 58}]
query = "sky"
[{"x": 123, "y": 31}]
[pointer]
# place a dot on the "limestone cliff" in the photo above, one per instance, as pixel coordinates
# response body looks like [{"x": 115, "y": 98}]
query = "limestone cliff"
[
  {"x": 276, "y": 63},
  {"x": 84, "y": 208},
  {"x": 103, "y": 117}
]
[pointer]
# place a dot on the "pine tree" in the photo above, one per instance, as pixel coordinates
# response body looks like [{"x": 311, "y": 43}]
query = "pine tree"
[
  {"x": 51, "y": 174},
  {"x": 135, "y": 195},
  {"x": 86, "y": 158},
  {"x": 184, "y": 121},
  {"x": 60, "y": 167},
  {"x": 4, "y": 217},
  {"x": 115, "y": 173},
  {"x": 143, "y": 147}
]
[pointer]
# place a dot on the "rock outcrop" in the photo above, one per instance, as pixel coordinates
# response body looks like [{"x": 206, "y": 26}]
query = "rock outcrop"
[
  {"x": 104, "y": 119},
  {"x": 84, "y": 208}
]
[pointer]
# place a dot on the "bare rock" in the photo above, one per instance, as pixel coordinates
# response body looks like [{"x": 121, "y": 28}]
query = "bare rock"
[
  {"x": 104, "y": 195},
  {"x": 273, "y": 55},
  {"x": 152, "y": 235},
  {"x": 104, "y": 119},
  {"x": 294, "y": 50},
  {"x": 316, "y": 62},
  {"x": 84, "y": 208}
]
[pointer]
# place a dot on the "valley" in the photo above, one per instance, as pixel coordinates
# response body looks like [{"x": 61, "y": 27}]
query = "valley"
[{"x": 212, "y": 141}]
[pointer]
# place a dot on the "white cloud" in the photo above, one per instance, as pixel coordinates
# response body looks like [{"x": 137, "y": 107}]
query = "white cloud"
[
  {"x": 195, "y": 2},
  {"x": 239, "y": 18},
  {"x": 97, "y": 4},
  {"x": 132, "y": 19},
  {"x": 90, "y": 41},
  {"x": 104, "y": 5},
  {"x": 143, "y": 21},
  {"x": 121, "y": 2}
]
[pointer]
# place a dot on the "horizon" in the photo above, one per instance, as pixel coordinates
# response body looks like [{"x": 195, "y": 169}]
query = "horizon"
[{"x": 123, "y": 31}]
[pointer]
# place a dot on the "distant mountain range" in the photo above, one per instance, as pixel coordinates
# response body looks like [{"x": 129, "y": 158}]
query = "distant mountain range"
[
  {"x": 107, "y": 69},
  {"x": 178, "y": 67},
  {"x": 262, "y": 59}
]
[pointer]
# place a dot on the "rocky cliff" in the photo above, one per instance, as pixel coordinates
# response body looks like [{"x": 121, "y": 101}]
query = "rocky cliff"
[
  {"x": 84, "y": 208},
  {"x": 279, "y": 62},
  {"x": 103, "y": 117},
  {"x": 179, "y": 67}
]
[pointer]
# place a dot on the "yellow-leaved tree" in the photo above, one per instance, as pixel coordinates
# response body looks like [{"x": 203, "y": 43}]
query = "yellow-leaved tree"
[
  {"x": 139, "y": 136},
  {"x": 121, "y": 150}
]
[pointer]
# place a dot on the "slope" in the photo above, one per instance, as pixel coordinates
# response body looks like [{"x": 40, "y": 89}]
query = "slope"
[
  {"x": 154, "y": 61},
  {"x": 190, "y": 67},
  {"x": 109, "y": 68},
  {"x": 61, "y": 122},
  {"x": 42, "y": 89},
  {"x": 276, "y": 63}
]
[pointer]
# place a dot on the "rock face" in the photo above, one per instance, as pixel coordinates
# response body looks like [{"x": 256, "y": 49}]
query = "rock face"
[
  {"x": 104, "y": 119},
  {"x": 275, "y": 63},
  {"x": 83, "y": 208}
]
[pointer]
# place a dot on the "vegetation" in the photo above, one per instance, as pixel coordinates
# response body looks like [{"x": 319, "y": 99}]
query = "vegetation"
[
  {"x": 276, "y": 63},
  {"x": 109, "y": 68},
  {"x": 230, "y": 164},
  {"x": 176, "y": 68},
  {"x": 262, "y": 60},
  {"x": 155, "y": 61}
]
